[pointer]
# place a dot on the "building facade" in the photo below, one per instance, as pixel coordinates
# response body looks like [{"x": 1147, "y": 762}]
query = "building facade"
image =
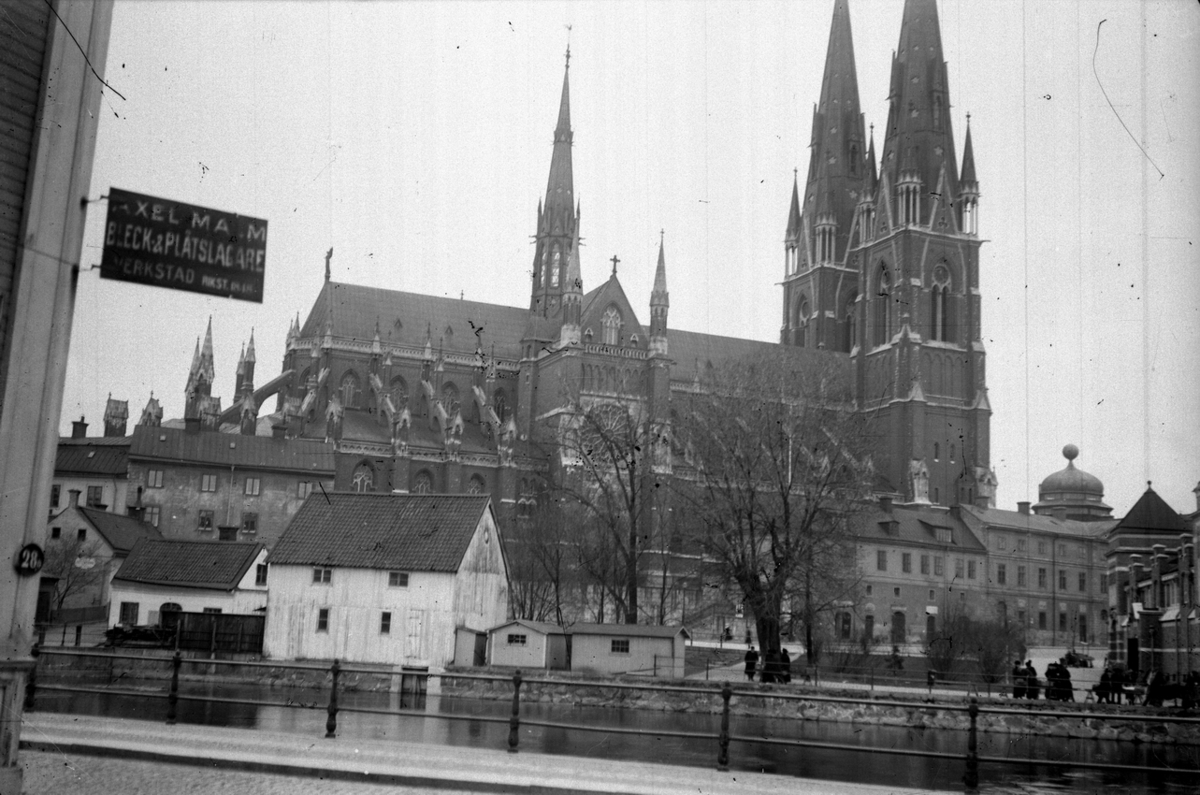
[{"x": 95, "y": 466}]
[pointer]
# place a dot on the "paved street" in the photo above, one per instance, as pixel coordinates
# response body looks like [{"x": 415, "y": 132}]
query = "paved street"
[{"x": 73, "y": 754}]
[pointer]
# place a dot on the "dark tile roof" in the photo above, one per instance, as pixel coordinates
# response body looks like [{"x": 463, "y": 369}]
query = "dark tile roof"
[
  {"x": 121, "y": 532},
  {"x": 404, "y": 317},
  {"x": 691, "y": 349},
  {"x": 627, "y": 630},
  {"x": 104, "y": 456},
  {"x": 218, "y": 565},
  {"x": 409, "y": 532},
  {"x": 225, "y": 449},
  {"x": 917, "y": 525},
  {"x": 1151, "y": 514}
]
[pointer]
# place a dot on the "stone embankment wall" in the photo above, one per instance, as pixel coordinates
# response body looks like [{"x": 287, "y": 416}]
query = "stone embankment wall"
[{"x": 918, "y": 715}]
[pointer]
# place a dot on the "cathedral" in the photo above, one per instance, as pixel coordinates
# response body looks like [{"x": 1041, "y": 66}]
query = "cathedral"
[{"x": 422, "y": 393}]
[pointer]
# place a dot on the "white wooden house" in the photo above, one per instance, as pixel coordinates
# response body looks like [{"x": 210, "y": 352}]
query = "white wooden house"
[
  {"x": 188, "y": 576},
  {"x": 385, "y": 578},
  {"x": 529, "y": 644}
]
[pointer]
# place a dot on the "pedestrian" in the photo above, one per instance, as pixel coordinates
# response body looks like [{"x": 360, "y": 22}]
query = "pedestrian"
[
  {"x": 1066, "y": 692},
  {"x": 1032, "y": 686},
  {"x": 751, "y": 662},
  {"x": 785, "y": 665},
  {"x": 931, "y": 680},
  {"x": 1018, "y": 680}
]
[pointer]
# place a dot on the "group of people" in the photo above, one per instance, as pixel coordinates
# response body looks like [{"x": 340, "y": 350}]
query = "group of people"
[
  {"x": 1027, "y": 685},
  {"x": 776, "y": 666}
]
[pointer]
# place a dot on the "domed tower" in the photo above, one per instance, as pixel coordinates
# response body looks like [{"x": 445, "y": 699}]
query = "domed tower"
[{"x": 1073, "y": 492}]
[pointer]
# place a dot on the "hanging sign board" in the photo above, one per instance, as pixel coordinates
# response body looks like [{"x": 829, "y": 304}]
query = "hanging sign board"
[{"x": 183, "y": 247}]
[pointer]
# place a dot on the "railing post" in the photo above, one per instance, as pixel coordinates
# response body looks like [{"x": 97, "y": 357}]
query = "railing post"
[
  {"x": 331, "y": 721},
  {"x": 971, "y": 779},
  {"x": 31, "y": 680},
  {"x": 514, "y": 720},
  {"x": 723, "y": 741},
  {"x": 173, "y": 694}
]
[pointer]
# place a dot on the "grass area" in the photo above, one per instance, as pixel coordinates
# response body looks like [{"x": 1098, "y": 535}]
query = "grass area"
[{"x": 697, "y": 659}]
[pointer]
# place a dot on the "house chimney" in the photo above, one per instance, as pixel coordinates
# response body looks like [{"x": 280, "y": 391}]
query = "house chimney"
[
  {"x": 279, "y": 431},
  {"x": 885, "y": 503},
  {"x": 191, "y": 424},
  {"x": 79, "y": 428},
  {"x": 1023, "y": 508},
  {"x": 75, "y": 497},
  {"x": 956, "y": 512}
]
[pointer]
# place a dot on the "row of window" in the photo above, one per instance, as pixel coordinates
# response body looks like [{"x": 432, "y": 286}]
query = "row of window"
[
  {"x": 249, "y": 523},
  {"x": 617, "y": 645},
  {"x": 95, "y": 496},
  {"x": 962, "y": 568},
  {"x": 1063, "y": 550},
  {"x": 351, "y": 393},
  {"x": 1043, "y": 579},
  {"x": 385, "y": 621},
  {"x": 251, "y": 485},
  {"x": 363, "y": 480},
  {"x": 130, "y": 611},
  {"x": 323, "y": 575}
]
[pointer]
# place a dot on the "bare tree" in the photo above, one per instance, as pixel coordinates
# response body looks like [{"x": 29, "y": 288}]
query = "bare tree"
[
  {"x": 781, "y": 471},
  {"x": 604, "y": 472},
  {"x": 77, "y": 567},
  {"x": 542, "y": 563}
]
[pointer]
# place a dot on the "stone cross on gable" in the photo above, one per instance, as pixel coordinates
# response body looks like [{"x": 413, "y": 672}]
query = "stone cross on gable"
[{"x": 614, "y": 261}]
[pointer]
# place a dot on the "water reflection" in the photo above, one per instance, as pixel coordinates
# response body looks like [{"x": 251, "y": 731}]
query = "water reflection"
[{"x": 303, "y": 711}]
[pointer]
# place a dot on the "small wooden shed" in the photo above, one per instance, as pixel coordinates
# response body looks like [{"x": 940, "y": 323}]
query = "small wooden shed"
[
  {"x": 528, "y": 644},
  {"x": 628, "y": 649}
]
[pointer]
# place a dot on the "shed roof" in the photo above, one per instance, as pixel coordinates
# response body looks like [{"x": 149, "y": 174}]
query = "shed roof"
[
  {"x": 410, "y": 532},
  {"x": 544, "y": 627},
  {"x": 225, "y": 449},
  {"x": 121, "y": 532},
  {"x": 217, "y": 565},
  {"x": 627, "y": 630}
]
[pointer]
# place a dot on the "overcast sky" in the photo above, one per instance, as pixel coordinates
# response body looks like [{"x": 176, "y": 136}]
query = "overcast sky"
[{"x": 415, "y": 139}]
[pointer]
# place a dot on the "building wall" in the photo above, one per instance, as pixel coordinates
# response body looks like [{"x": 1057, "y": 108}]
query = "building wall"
[
  {"x": 151, "y": 598},
  {"x": 533, "y": 654},
  {"x": 594, "y": 654},
  {"x": 180, "y": 499},
  {"x": 113, "y": 492}
]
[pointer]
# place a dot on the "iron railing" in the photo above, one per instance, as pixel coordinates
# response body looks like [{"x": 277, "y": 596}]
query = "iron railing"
[{"x": 724, "y": 738}]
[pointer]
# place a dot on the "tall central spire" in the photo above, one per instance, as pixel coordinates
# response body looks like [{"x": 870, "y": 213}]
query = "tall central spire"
[{"x": 558, "y": 215}]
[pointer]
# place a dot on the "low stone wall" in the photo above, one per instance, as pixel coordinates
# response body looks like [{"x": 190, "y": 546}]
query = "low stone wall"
[{"x": 918, "y": 715}]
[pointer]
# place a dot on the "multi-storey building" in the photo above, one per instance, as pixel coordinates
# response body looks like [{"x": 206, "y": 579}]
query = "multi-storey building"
[{"x": 95, "y": 466}]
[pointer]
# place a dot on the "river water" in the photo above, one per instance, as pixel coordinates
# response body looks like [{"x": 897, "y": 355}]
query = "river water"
[{"x": 306, "y": 715}]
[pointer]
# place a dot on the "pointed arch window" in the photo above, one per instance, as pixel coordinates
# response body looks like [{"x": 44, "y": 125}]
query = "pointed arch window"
[
  {"x": 854, "y": 160},
  {"x": 350, "y": 389},
  {"x": 850, "y": 332},
  {"x": 554, "y": 266},
  {"x": 476, "y": 485},
  {"x": 363, "y": 479},
  {"x": 883, "y": 306},
  {"x": 450, "y": 400},
  {"x": 937, "y": 112},
  {"x": 500, "y": 405},
  {"x": 939, "y": 302},
  {"x": 398, "y": 392},
  {"x": 803, "y": 313},
  {"x": 422, "y": 482},
  {"x": 791, "y": 264},
  {"x": 611, "y": 321}
]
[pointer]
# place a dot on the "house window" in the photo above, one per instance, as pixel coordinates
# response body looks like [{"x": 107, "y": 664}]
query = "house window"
[
  {"x": 924, "y": 564},
  {"x": 1062, "y": 580},
  {"x": 1041, "y": 547},
  {"x": 881, "y": 560},
  {"x": 363, "y": 479},
  {"x": 55, "y": 495},
  {"x": 970, "y": 569},
  {"x": 620, "y": 645},
  {"x": 260, "y": 574},
  {"x": 869, "y": 589},
  {"x": 1042, "y": 578},
  {"x": 323, "y": 620},
  {"x": 939, "y": 566},
  {"x": 1062, "y": 622},
  {"x": 350, "y": 390},
  {"x": 845, "y": 626},
  {"x": 81, "y": 534},
  {"x": 206, "y": 520},
  {"x": 95, "y": 496},
  {"x": 55, "y": 532},
  {"x": 958, "y": 568},
  {"x": 304, "y": 488},
  {"x": 322, "y": 575},
  {"x": 1021, "y": 617},
  {"x": 1103, "y": 582},
  {"x": 1021, "y": 579},
  {"x": 397, "y": 579},
  {"x": 896, "y": 591},
  {"x": 932, "y": 594},
  {"x": 154, "y": 479},
  {"x": 129, "y": 613},
  {"x": 1041, "y": 619},
  {"x": 1021, "y": 545},
  {"x": 208, "y": 483},
  {"x": 906, "y": 562},
  {"x": 253, "y": 486},
  {"x": 153, "y": 514},
  {"x": 1001, "y": 574},
  {"x": 249, "y": 522},
  {"x": 515, "y": 639},
  {"x": 943, "y": 535},
  {"x": 385, "y": 623},
  {"x": 1083, "y": 580},
  {"x": 1001, "y": 542}
]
